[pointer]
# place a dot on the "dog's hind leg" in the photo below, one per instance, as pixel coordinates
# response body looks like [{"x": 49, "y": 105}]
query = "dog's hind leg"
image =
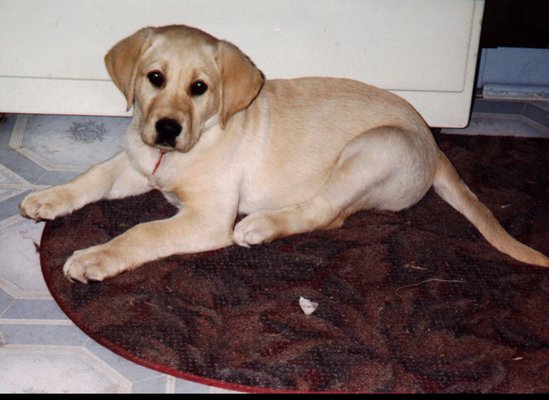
[{"x": 386, "y": 168}]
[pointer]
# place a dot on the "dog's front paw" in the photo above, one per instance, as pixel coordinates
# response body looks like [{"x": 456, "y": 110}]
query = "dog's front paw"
[
  {"x": 46, "y": 204},
  {"x": 254, "y": 229},
  {"x": 92, "y": 264}
]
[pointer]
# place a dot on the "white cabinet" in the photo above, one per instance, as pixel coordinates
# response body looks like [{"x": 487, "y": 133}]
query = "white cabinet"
[{"x": 51, "y": 51}]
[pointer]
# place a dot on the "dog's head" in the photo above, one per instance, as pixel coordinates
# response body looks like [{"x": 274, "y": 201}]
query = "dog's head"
[{"x": 181, "y": 81}]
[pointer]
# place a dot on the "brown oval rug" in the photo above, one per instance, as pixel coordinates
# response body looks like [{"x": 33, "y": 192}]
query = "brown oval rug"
[{"x": 414, "y": 301}]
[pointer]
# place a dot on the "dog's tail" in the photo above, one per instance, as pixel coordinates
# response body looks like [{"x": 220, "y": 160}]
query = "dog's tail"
[{"x": 452, "y": 189}]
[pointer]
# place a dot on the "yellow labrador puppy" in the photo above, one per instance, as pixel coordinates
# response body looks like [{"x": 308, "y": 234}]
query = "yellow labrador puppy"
[{"x": 217, "y": 139}]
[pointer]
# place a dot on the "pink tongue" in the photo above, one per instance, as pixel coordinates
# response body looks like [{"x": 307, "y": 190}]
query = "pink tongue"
[{"x": 161, "y": 155}]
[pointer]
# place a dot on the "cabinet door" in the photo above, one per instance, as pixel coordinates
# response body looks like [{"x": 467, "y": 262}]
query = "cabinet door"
[{"x": 425, "y": 50}]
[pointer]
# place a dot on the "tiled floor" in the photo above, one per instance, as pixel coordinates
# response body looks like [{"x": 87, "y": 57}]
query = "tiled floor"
[{"x": 41, "y": 350}]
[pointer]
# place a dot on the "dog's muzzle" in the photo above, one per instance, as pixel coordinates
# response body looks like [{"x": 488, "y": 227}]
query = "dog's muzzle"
[{"x": 167, "y": 130}]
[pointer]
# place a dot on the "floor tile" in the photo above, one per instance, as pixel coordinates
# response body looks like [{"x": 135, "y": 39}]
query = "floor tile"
[
  {"x": 34, "y": 310},
  {"x": 19, "y": 164},
  {"x": 57, "y": 369},
  {"x": 132, "y": 371},
  {"x": 5, "y": 301},
  {"x": 501, "y": 125},
  {"x": 42, "y": 333},
  {"x": 68, "y": 143},
  {"x": 20, "y": 273}
]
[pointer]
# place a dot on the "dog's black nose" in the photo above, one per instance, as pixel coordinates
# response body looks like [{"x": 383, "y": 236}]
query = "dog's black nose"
[{"x": 167, "y": 131}]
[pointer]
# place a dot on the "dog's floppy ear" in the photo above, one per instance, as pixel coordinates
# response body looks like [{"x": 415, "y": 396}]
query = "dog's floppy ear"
[
  {"x": 122, "y": 61},
  {"x": 240, "y": 80}
]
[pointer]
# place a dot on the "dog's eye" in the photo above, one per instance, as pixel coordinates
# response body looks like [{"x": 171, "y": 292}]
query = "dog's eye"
[
  {"x": 199, "y": 87},
  {"x": 156, "y": 78}
]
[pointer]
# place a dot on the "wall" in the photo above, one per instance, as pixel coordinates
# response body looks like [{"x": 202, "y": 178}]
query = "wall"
[{"x": 424, "y": 50}]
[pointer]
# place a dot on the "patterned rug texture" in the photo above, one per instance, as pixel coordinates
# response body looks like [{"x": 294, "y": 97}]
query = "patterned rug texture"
[{"x": 414, "y": 301}]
